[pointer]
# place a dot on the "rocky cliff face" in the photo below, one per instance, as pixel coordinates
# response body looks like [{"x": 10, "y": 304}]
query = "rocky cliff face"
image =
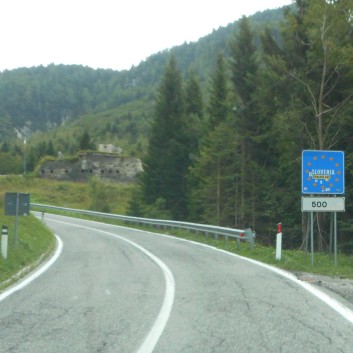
[{"x": 107, "y": 167}]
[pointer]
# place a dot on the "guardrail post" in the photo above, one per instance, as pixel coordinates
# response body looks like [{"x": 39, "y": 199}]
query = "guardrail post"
[
  {"x": 238, "y": 243},
  {"x": 249, "y": 236},
  {"x": 225, "y": 240},
  {"x": 252, "y": 240}
]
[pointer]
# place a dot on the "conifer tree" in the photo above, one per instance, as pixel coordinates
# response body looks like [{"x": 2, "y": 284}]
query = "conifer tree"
[
  {"x": 164, "y": 180},
  {"x": 194, "y": 111},
  {"x": 218, "y": 107},
  {"x": 213, "y": 173},
  {"x": 85, "y": 142},
  {"x": 244, "y": 71}
]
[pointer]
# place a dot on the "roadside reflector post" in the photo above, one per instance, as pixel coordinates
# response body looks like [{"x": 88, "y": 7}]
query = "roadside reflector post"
[
  {"x": 279, "y": 242},
  {"x": 4, "y": 241}
]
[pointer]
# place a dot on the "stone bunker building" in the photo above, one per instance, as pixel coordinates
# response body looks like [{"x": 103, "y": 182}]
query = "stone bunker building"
[{"x": 105, "y": 166}]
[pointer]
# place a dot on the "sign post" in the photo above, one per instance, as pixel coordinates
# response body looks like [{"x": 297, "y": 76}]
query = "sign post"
[
  {"x": 323, "y": 174},
  {"x": 16, "y": 204}
]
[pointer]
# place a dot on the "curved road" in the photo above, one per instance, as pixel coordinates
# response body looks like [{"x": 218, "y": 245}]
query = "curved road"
[{"x": 114, "y": 289}]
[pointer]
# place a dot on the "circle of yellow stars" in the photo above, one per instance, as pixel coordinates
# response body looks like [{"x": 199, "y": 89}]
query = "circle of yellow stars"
[{"x": 323, "y": 157}]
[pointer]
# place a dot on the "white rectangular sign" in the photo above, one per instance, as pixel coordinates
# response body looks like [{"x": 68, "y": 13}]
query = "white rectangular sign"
[{"x": 323, "y": 204}]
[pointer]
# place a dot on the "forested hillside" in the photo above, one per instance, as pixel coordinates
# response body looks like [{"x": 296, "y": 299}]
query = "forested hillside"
[
  {"x": 42, "y": 98},
  {"x": 220, "y": 124},
  {"x": 236, "y": 159}
]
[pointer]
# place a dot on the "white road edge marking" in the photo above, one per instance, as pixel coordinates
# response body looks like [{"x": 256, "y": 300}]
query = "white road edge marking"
[
  {"x": 331, "y": 302},
  {"x": 35, "y": 274},
  {"x": 338, "y": 307},
  {"x": 161, "y": 321}
]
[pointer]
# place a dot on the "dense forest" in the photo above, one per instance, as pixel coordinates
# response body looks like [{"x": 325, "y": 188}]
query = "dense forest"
[{"x": 220, "y": 124}]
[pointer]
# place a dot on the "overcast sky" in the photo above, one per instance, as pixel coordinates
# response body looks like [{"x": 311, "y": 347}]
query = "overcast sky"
[{"x": 113, "y": 34}]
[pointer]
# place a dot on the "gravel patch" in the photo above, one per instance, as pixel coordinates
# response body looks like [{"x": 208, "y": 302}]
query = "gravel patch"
[{"x": 343, "y": 287}]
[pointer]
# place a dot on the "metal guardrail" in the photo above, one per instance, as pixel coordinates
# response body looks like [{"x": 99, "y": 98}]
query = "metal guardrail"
[{"x": 246, "y": 234}]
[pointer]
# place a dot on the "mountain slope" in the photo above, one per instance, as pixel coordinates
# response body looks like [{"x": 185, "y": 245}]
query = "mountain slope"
[{"x": 42, "y": 98}]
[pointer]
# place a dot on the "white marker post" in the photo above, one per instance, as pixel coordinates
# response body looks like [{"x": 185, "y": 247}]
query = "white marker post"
[
  {"x": 4, "y": 241},
  {"x": 279, "y": 242}
]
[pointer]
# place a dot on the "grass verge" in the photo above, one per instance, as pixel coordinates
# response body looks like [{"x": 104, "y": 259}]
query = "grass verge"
[
  {"x": 34, "y": 244},
  {"x": 291, "y": 260}
]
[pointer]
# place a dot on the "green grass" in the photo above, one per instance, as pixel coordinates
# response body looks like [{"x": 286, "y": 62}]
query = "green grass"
[
  {"x": 291, "y": 260},
  {"x": 34, "y": 243},
  {"x": 64, "y": 193}
]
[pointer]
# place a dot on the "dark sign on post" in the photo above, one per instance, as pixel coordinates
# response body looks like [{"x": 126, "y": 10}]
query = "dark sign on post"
[{"x": 16, "y": 204}]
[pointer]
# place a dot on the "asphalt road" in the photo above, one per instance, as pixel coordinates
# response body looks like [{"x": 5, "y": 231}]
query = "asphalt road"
[{"x": 114, "y": 289}]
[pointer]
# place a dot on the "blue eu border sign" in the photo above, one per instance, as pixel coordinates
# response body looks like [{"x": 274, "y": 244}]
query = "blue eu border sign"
[{"x": 323, "y": 172}]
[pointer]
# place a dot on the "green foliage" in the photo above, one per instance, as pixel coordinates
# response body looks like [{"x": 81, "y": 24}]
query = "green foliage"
[
  {"x": 218, "y": 107},
  {"x": 85, "y": 142},
  {"x": 158, "y": 210},
  {"x": 194, "y": 113},
  {"x": 168, "y": 156},
  {"x": 10, "y": 163},
  {"x": 214, "y": 179},
  {"x": 99, "y": 195},
  {"x": 210, "y": 175}
]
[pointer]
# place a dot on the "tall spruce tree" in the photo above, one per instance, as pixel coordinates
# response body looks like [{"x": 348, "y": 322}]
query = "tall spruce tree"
[
  {"x": 218, "y": 107},
  {"x": 214, "y": 193},
  {"x": 194, "y": 112},
  {"x": 213, "y": 173},
  {"x": 244, "y": 69},
  {"x": 166, "y": 164}
]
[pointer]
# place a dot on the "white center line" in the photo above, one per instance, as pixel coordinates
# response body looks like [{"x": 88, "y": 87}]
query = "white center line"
[{"x": 161, "y": 321}]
